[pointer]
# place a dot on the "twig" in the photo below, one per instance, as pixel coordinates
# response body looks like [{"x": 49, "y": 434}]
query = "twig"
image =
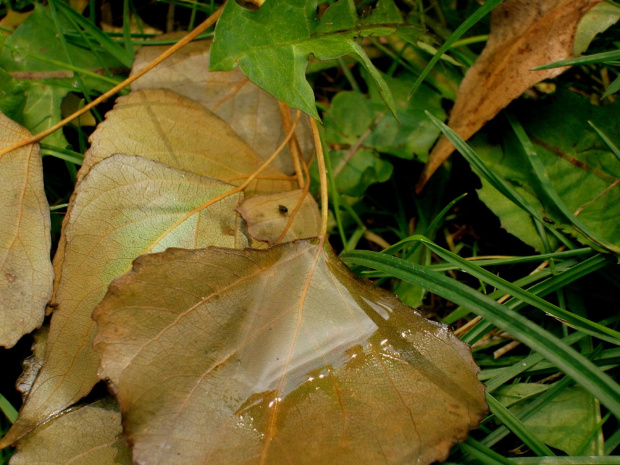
[{"x": 320, "y": 156}]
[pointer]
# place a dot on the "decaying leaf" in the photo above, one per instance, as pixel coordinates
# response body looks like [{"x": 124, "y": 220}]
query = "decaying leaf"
[
  {"x": 524, "y": 34},
  {"x": 279, "y": 356},
  {"x": 268, "y": 216},
  {"x": 171, "y": 129},
  {"x": 25, "y": 269},
  {"x": 251, "y": 112},
  {"x": 90, "y": 434},
  {"x": 125, "y": 207},
  {"x": 32, "y": 364}
]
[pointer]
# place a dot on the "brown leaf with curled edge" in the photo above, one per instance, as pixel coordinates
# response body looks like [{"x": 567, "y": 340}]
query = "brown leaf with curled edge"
[
  {"x": 524, "y": 34},
  {"x": 125, "y": 207},
  {"x": 25, "y": 269},
  {"x": 171, "y": 129},
  {"x": 251, "y": 112},
  {"x": 268, "y": 216},
  {"x": 279, "y": 356},
  {"x": 90, "y": 434}
]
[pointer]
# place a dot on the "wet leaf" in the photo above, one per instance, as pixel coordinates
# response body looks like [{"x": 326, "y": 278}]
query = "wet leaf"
[
  {"x": 251, "y": 112},
  {"x": 572, "y": 155},
  {"x": 90, "y": 434},
  {"x": 261, "y": 356},
  {"x": 25, "y": 269},
  {"x": 166, "y": 127},
  {"x": 267, "y": 216},
  {"x": 277, "y": 40},
  {"x": 524, "y": 34},
  {"x": 126, "y": 206}
]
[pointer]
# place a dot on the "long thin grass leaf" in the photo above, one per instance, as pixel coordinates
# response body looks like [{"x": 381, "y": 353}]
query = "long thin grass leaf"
[
  {"x": 553, "y": 349},
  {"x": 548, "y": 191},
  {"x": 462, "y": 29},
  {"x": 483, "y": 171},
  {"x": 613, "y": 147},
  {"x": 584, "y": 60},
  {"x": 517, "y": 427},
  {"x": 483, "y": 453}
]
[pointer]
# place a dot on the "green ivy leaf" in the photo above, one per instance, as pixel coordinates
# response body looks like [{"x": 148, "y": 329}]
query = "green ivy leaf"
[{"x": 272, "y": 45}]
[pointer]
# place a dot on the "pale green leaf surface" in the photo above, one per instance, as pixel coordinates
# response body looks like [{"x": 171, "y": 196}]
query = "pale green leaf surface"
[
  {"x": 25, "y": 269},
  {"x": 125, "y": 207},
  {"x": 598, "y": 19},
  {"x": 272, "y": 45},
  {"x": 279, "y": 356},
  {"x": 353, "y": 174},
  {"x": 353, "y": 116},
  {"x": 565, "y": 422},
  {"x": 90, "y": 434},
  {"x": 582, "y": 169}
]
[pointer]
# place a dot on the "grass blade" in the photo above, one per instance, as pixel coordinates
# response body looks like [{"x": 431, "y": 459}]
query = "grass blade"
[
  {"x": 462, "y": 29},
  {"x": 517, "y": 427},
  {"x": 585, "y": 60},
  {"x": 553, "y": 349}
]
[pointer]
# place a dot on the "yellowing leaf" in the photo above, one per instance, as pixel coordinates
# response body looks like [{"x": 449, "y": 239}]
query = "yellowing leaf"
[
  {"x": 25, "y": 269},
  {"x": 126, "y": 206},
  {"x": 268, "y": 216},
  {"x": 91, "y": 434},
  {"x": 279, "y": 356},
  {"x": 524, "y": 34},
  {"x": 174, "y": 130},
  {"x": 251, "y": 112}
]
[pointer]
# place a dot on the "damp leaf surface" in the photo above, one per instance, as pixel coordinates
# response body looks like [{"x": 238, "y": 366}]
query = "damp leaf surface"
[
  {"x": 256, "y": 356},
  {"x": 126, "y": 206}
]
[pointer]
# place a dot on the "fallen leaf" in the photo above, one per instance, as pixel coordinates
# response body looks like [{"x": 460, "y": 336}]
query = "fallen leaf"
[
  {"x": 125, "y": 207},
  {"x": 251, "y": 112},
  {"x": 90, "y": 434},
  {"x": 277, "y": 40},
  {"x": 32, "y": 364},
  {"x": 25, "y": 269},
  {"x": 267, "y": 216},
  {"x": 524, "y": 34},
  {"x": 166, "y": 127},
  {"x": 279, "y": 356}
]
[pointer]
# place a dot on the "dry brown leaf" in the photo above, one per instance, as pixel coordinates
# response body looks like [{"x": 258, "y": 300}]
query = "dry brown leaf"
[
  {"x": 524, "y": 34},
  {"x": 25, "y": 269},
  {"x": 125, "y": 207},
  {"x": 251, "y": 112},
  {"x": 276, "y": 357},
  {"x": 90, "y": 435},
  {"x": 166, "y": 127},
  {"x": 267, "y": 216},
  {"x": 33, "y": 363}
]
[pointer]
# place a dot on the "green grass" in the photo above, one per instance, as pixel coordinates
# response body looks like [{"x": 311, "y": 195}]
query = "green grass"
[{"x": 565, "y": 316}]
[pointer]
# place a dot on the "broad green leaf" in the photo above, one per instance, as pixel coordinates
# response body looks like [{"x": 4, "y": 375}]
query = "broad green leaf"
[
  {"x": 89, "y": 434},
  {"x": 582, "y": 170},
  {"x": 251, "y": 112},
  {"x": 598, "y": 19},
  {"x": 272, "y": 45},
  {"x": 25, "y": 269},
  {"x": 524, "y": 34},
  {"x": 353, "y": 174},
  {"x": 352, "y": 117},
  {"x": 267, "y": 216},
  {"x": 279, "y": 355},
  {"x": 565, "y": 422},
  {"x": 37, "y": 37},
  {"x": 166, "y": 127},
  {"x": 124, "y": 207}
]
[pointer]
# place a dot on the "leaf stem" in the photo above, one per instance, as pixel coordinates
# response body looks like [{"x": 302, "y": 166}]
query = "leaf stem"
[
  {"x": 320, "y": 156},
  {"x": 207, "y": 23}
]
